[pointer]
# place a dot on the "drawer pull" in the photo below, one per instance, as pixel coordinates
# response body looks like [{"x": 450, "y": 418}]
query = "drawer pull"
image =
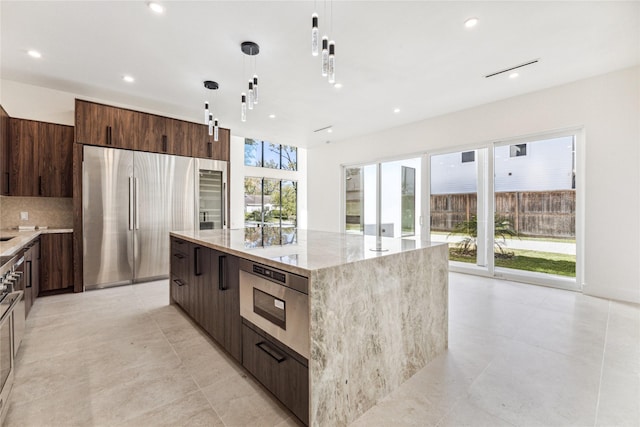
[
  {"x": 178, "y": 282},
  {"x": 264, "y": 346},
  {"x": 179, "y": 256}
]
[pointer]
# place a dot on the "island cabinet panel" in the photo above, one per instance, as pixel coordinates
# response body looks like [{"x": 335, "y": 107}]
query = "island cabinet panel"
[
  {"x": 56, "y": 263},
  {"x": 4, "y": 152},
  {"x": 180, "y": 262},
  {"x": 41, "y": 159},
  {"x": 224, "y": 319},
  {"x": 276, "y": 367},
  {"x": 205, "y": 283}
]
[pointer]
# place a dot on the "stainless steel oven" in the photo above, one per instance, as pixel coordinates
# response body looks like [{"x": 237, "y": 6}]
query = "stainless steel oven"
[{"x": 277, "y": 302}]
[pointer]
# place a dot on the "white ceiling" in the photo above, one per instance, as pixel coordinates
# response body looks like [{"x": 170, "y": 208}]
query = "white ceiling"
[{"x": 416, "y": 56}]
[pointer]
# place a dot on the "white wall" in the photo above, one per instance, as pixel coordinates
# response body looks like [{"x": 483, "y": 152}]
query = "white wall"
[{"x": 607, "y": 107}]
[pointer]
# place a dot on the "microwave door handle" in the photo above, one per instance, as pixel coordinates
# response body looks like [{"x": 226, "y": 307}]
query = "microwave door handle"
[{"x": 131, "y": 202}]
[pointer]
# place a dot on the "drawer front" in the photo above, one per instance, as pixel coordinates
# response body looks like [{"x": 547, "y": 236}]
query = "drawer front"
[
  {"x": 278, "y": 371},
  {"x": 180, "y": 265},
  {"x": 179, "y": 245}
]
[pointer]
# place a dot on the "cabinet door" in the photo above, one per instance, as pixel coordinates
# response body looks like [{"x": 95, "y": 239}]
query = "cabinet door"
[
  {"x": 56, "y": 268},
  {"x": 23, "y": 148},
  {"x": 35, "y": 270},
  {"x": 98, "y": 124},
  {"x": 157, "y": 138},
  {"x": 179, "y": 137},
  {"x": 230, "y": 305},
  {"x": 179, "y": 265},
  {"x": 55, "y": 150},
  {"x": 200, "y": 298},
  {"x": 94, "y": 123},
  {"x": 4, "y": 152},
  {"x": 205, "y": 147}
]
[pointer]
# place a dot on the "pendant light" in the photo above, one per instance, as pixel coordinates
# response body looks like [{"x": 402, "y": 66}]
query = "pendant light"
[
  {"x": 208, "y": 114},
  {"x": 315, "y": 34},
  {"x": 243, "y": 107},
  {"x": 250, "y": 98},
  {"x": 332, "y": 62},
  {"x": 327, "y": 55}
]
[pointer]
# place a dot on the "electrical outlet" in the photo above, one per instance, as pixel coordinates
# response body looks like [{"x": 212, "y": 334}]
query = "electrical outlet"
[{"x": 24, "y": 216}]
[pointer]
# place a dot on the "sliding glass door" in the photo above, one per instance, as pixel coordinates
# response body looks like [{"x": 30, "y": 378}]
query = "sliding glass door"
[
  {"x": 399, "y": 198},
  {"x": 535, "y": 207},
  {"x": 509, "y": 209}
]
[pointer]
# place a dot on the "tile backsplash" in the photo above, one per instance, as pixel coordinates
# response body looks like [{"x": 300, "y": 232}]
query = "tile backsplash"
[{"x": 54, "y": 212}]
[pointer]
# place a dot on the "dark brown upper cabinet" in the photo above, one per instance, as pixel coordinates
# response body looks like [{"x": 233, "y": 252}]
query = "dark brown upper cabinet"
[
  {"x": 104, "y": 125},
  {"x": 4, "y": 152},
  {"x": 40, "y": 159},
  {"x": 205, "y": 147},
  {"x": 98, "y": 124}
]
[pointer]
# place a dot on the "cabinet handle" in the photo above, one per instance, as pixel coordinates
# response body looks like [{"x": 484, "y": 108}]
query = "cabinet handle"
[
  {"x": 222, "y": 272},
  {"x": 109, "y": 141},
  {"x": 179, "y": 256},
  {"x": 196, "y": 256},
  {"x": 209, "y": 149},
  {"x": 178, "y": 282},
  {"x": 39, "y": 185},
  {"x": 29, "y": 282},
  {"x": 8, "y": 186},
  {"x": 164, "y": 143},
  {"x": 264, "y": 346}
]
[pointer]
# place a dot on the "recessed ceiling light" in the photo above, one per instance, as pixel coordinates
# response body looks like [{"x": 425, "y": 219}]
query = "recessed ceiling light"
[
  {"x": 156, "y": 7},
  {"x": 513, "y": 75},
  {"x": 396, "y": 110},
  {"x": 330, "y": 130},
  {"x": 128, "y": 79},
  {"x": 471, "y": 22},
  {"x": 272, "y": 116},
  {"x": 34, "y": 54},
  {"x": 337, "y": 85}
]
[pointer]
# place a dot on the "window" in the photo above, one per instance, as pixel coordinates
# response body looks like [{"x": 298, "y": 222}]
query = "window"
[
  {"x": 518, "y": 150},
  {"x": 270, "y": 202},
  {"x": 468, "y": 156},
  {"x": 268, "y": 155}
]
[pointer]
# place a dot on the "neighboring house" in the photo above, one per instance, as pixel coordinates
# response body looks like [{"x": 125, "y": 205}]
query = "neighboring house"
[
  {"x": 533, "y": 166},
  {"x": 253, "y": 203}
]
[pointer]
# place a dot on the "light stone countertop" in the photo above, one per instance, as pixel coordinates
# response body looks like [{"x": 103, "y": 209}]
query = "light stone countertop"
[
  {"x": 311, "y": 251},
  {"x": 22, "y": 238}
]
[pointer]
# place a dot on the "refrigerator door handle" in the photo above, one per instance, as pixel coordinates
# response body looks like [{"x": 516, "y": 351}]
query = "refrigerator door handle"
[
  {"x": 137, "y": 192},
  {"x": 131, "y": 201}
]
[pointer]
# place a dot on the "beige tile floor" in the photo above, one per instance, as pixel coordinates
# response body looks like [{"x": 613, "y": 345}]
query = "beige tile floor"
[{"x": 518, "y": 355}]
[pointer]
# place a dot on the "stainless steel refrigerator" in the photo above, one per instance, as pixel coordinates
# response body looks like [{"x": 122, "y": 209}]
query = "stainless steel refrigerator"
[{"x": 132, "y": 200}]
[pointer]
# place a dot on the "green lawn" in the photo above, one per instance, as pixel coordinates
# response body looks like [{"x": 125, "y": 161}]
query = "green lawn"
[{"x": 542, "y": 262}]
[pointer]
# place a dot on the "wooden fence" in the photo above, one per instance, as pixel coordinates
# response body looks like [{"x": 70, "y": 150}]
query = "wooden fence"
[{"x": 532, "y": 213}]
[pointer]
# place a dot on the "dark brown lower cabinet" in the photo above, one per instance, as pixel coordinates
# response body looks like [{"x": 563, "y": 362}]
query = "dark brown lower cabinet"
[
  {"x": 179, "y": 286},
  {"x": 205, "y": 283},
  {"x": 283, "y": 372},
  {"x": 56, "y": 263},
  {"x": 31, "y": 274}
]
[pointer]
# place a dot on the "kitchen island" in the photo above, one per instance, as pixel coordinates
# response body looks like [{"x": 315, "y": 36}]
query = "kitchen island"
[{"x": 375, "y": 317}]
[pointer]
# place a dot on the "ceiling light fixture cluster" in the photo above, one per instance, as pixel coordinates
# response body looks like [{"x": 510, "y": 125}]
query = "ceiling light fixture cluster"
[
  {"x": 209, "y": 120},
  {"x": 328, "y": 50},
  {"x": 250, "y": 98}
]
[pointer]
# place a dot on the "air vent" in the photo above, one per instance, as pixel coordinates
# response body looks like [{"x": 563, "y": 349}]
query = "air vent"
[
  {"x": 324, "y": 128},
  {"x": 512, "y": 68}
]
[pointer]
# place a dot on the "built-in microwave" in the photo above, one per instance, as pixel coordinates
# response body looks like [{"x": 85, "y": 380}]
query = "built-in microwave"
[{"x": 277, "y": 302}]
